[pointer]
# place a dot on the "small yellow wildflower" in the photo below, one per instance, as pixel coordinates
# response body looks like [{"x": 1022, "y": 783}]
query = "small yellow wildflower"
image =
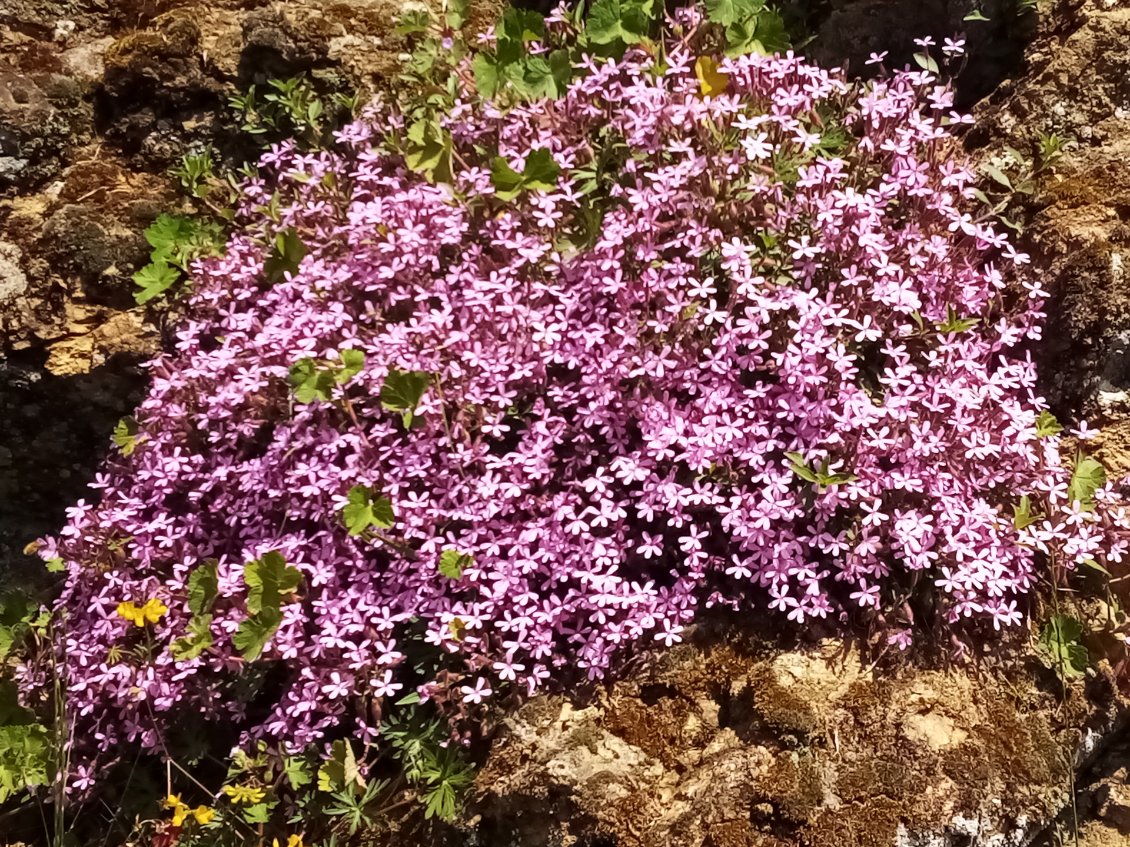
[
  {"x": 203, "y": 815},
  {"x": 245, "y": 794},
  {"x": 292, "y": 841},
  {"x": 151, "y": 612},
  {"x": 180, "y": 810}
]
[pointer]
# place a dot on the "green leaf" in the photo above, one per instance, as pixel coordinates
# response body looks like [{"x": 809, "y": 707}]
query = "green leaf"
[
  {"x": 541, "y": 171},
  {"x": 726, "y": 12},
  {"x": 1088, "y": 477},
  {"x": 924, "y": 61},
  {"x": 125, "y": 435},
  {"x": 487, "y": 77},
  {"x": 363, "y": 512},
  {"x": 310, "y": 382},
  {"x": 254, "y": 632},
  {"x": 975, "y": 15},
  {"x": 1047, "y": 425},
  {"x": 507, "y": 182},
  {"x": 998, "y": 176},
  {"x": 269, "y": 580},
  {"x": 456, "y": 13},
  {"x": 1061, "y": 640},
  {"x": 619, "y": 22},
  {"x": 196, "y": 639},
  {"x": 1022, "y": 516},
  {"x": 154, "y": 279},
  {"x": 203, "y": 586},
  {"x": 168, "y": 232},
  {"x": 297, "y": 772},
  {"x": 285, "y": 257},
  {"x": 340, "y": 771},
  {"x": 1095, "y": 566},
  {"x": 402, "y": 392},
  {"x": 452, "y": 563},
  {"x": 352, "y": 363},
  {"x": 259, "y": 813},
  {"x": 56, "y": 565},
  {"x": 428, "y": 151},
  {"x": 521, "y": 25},
  {"x": 800, "y": 467}
]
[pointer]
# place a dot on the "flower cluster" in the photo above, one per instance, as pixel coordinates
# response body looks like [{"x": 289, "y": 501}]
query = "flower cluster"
[{"x": 692, "y": 333}]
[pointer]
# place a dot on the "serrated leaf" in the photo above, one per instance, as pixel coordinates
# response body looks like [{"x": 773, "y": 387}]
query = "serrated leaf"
[
  {"x": 540, "y": 171},
  {"x": 340, "y": 771},
  {"x": 258, "y": 813},
  {"x": 402, "y": 392},
  {"x": 1061, "y": 640},
  {"x": 487, "y": 77},
  {"x": 255, "y": 632},
  {"x": 269, "y": 580},
  {"x": 196, "y": 639},
  {"x": 203, "y": 586},
  {"x": 352, "y": 363},
  {"x": 452, "y": 563},
  {"x": 309, "y": 382},
  {"x": 1088, "y": 477},
  {"x": 613, "y": 22},
  {"x": 507, "y": 182},
  {"x": 154, "y": 279},
  {"x": 125, "y": 435},
  {"x": 363, "y": 512},
  {"x": 1047, "y": 425}
]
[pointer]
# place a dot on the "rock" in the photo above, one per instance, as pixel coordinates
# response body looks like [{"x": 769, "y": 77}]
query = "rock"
[
  {"x": 809, "y": 747},
  {"x": 1077, "y": 87}
]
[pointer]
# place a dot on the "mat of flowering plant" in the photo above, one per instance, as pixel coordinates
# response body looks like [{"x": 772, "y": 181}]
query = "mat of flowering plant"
[{"x": 499, "y": 388}]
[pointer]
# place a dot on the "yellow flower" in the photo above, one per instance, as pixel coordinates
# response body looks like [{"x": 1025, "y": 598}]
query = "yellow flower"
[
  {"x": 180, "y": 810},
  {"x": 710, "y": 80},
  {"x": 292, "y": 841},
  {"x": 203, "y": 814},
  {"x": 244, "y": 794},
  {"x": 151, "y": 612}
]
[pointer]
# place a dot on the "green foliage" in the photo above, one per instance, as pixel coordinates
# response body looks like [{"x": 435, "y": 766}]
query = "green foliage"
[
  {"x": 203, "y": 587},
  {"x": 452, "y": 563},
  {"x": 1047, "y": 425},
  {"x": 340, "y": 772},
  {"x": 1087, "y": 478},
  {"x": 1061, "y": 642},
  {"x": 621, "y": 23},
  {"x": 196, "y": 639},
  {"x": 954, "y": 324},
  {"x": 1022, "y": 515},
  {"x": 176, "y": 241},
  {"x": 270, "y": 581},
  {"x": 292, "y": 108},
  {"x": 402, "y": 392},
  {"x": 432, "y": 764},
  {"x": 821, "y": 475},
  {"x": 750, "y": 26},
  {"x": 365, "y": 512},
  {"x": 125, "y": 435},
  {"x": 539, "y": 172},
  {"x": 311, "y": 382},
  {"x": 287, "y": 252},
  {"x": 26, "y": 747}
]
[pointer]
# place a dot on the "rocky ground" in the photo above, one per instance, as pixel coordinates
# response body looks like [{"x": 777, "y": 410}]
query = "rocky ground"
[{"x": 720, "y": 743}]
